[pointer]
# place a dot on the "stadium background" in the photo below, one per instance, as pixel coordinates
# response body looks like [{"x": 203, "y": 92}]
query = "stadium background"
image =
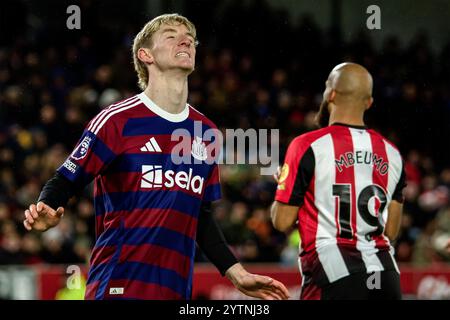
[{"x": 260, "y": 64}]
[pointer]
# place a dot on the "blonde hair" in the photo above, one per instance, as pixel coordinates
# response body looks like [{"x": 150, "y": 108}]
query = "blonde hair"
[{"x": 144, "y": 40}]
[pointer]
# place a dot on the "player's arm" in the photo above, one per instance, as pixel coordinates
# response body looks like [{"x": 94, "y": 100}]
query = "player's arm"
[
  {"x": 212, "y": 242},
  {"x": 293, "y": 182},
  {"x": 50, "y": 206},
  {"x": 283, "y": 216},
  {"x": 395, "y": 209},
  {"x": 88, "y": 159},
  {"x": 57, "y": 191},
  {"x": 394, "y": 220}
]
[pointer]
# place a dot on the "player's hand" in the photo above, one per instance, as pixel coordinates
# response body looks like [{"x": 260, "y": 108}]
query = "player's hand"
[
  {"x": 255, "y": 285},
  {"x": 276, "y": 175},
  {"x": 41, "y": 217}
]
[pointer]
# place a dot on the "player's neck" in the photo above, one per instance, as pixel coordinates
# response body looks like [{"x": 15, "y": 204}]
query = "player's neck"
[
  {"x": 349, "y": 119},
  {"x": 168, "y": 92}
]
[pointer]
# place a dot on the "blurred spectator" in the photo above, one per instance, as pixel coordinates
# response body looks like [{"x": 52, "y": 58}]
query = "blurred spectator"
[{"x": 51, "y": 87}]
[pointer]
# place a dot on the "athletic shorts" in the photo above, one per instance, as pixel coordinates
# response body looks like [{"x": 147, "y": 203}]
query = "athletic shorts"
[{"x": 384, "y": 285}]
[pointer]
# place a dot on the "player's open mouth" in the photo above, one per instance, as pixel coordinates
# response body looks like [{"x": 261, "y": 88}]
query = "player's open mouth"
[{"x": 183, "y": 54}]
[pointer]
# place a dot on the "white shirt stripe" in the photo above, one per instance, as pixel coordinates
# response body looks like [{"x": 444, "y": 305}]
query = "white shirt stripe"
[
  {"x": 94, "y": 123},
  {"x": 394, "y": 173},
  {"x": 110, "y": 114},
  {"x": 395, "y": 168},
  {"x": 106, "y": 110},
  {"x": 363, "y": 178},
  {"x": 326, "y": 244}
]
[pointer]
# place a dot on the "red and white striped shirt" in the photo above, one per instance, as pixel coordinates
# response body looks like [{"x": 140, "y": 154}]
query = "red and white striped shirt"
[{"x": 342, "y": 178}]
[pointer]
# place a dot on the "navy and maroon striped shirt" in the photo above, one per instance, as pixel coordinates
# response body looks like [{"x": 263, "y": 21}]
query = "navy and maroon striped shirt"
[{"x": 146, "y": 205}]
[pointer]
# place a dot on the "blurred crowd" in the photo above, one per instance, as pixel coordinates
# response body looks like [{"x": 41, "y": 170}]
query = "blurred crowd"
[{"x": 254, "y": 70}]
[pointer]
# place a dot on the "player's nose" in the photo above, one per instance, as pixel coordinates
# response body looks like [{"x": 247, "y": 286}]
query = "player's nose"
[{"x": 185, "y": 41}]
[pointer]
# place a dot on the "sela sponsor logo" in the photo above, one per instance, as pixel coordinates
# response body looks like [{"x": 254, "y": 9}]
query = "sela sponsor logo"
[
  {"x": 69, "y": 165},
  {"x": 82, "y": 149},
  {"x": 151, "y": 176},
  {"x": 115, "y": 291},
  {"x": 154, "y": 177}
]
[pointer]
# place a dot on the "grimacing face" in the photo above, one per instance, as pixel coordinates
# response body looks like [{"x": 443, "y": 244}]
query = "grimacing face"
[{"x": 173, "y": 46}]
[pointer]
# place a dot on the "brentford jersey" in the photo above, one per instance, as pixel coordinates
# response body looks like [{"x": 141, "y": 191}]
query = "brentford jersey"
[
  {"x": 146, "y": 204},
  {"x": 342, "y": 178}
]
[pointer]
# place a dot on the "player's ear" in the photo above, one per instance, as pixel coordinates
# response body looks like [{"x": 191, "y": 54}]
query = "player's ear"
[
  {"x": 332, "y": 96},
  {"x": 369, "y": 104},
  {"x": 145, "y": 55}
]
